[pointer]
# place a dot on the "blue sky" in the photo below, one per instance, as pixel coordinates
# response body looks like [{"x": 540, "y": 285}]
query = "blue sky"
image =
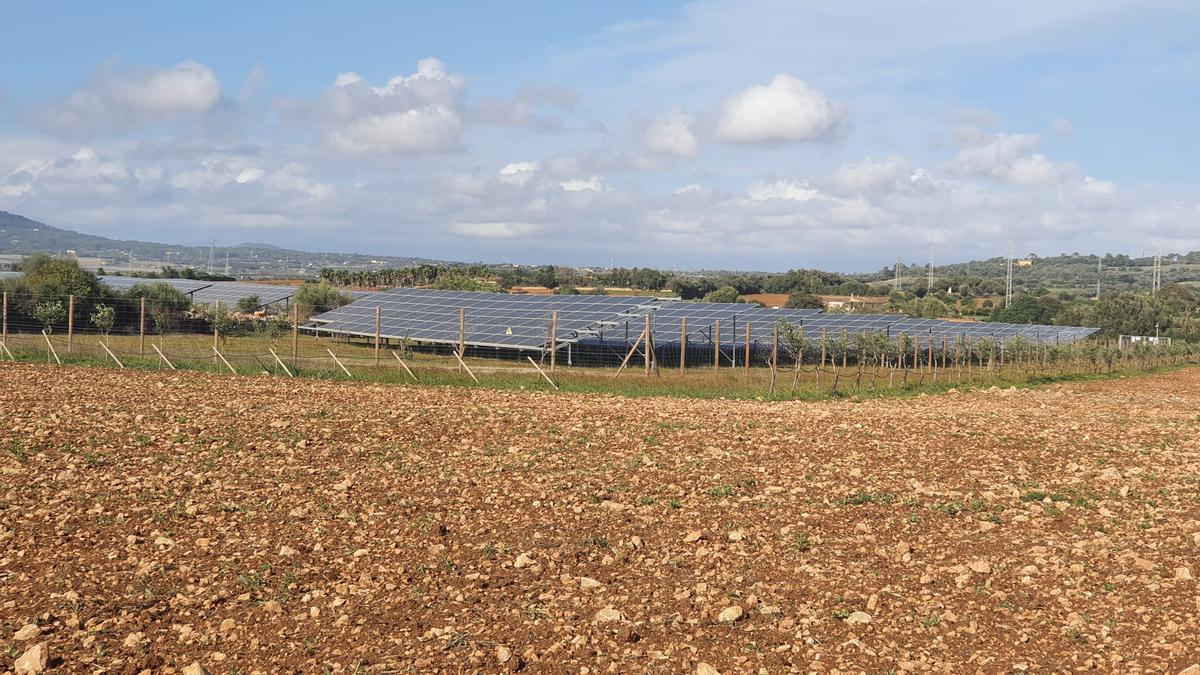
[{"x": 754, "y": 134}]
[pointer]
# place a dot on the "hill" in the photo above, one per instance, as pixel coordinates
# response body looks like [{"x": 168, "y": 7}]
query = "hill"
[{"x": 22, "y": 236}]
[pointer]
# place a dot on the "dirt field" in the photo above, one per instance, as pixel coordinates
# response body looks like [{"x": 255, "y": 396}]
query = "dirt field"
[{"x": 156, "y": 520}]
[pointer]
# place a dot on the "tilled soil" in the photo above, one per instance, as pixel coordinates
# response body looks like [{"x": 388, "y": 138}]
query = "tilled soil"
[{"x": 155, "y": 521}]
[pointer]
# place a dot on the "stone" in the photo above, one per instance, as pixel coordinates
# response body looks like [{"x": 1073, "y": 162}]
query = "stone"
[
  {"x": 134, "y": 640},
  {"x": 609, "y": 615},
  {"x": 34, "y": 660},
  {"x": 731, "y": 614},
  {"x": 523, "y": 560},
  {"x": 703, "y": 668},
  {"x": 227, "y": 626},
  {"x": 980, "y": 566},
  {"x": 287, "y": 551},
  {"x": 693, "y": 536},
  {"x": 27, "y": 632},
  {"x": 859, "y": 618},
  {"x": 273, "y": 607},
  {"x": 1112, "y": 473},
  {"x": 194, "y": 669},
  {"x": 588, "y": 583},
  {"x": 1183, "y": 573},
  {"x": 503, "y": 654},
  {"x": 736, "y": 535}
]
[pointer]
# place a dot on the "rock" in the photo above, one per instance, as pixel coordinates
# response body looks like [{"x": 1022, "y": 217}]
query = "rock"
[
  {"x": 1183, "y": 573},
  {"x": 227, "y": 626},
  {"x": 34, "y": 660},
  {"x": 736, "y": 535},
  {"x": 693, "y": 536},
  {"x": 705, "y": 669},
  {"x": 608, "y": 615},
  {"x": 1193, "y": 669},
  {"x": 588, "y": 583},
  {"x": 273, "y": 607},
  {"x": 27, "y": 632},
  {"x": 194, "y": 669},
  {"x": 980, "y": 566},
  {"x": 503, "y": 654},
  {"x": 134, "y": 640},
  {"x": 611, "y": 505},
  {"x": 731, "y": 614},
  {"x": 769, "y": 610},
  {"x": 523, "y": 560},
  {"x": 287, "y": 551},
  {"x": 1111, "y": 474},
  {"x": 859, "y": 618}
]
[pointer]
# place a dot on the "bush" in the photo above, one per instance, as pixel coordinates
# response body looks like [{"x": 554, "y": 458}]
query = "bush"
[
  {"x": 802, "y": 300},
  {"x": 164, "y": 303},
  {"x": 103, "y": 319},
  {"x": 249, "y": 304},
  {"x": 49, "y": 313},
  {"x": 722, "y": 294},
  {"x": 317, "y": 297}
]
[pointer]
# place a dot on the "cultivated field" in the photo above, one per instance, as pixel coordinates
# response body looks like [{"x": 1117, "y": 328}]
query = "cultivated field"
[{"x": 159, "y": 519}]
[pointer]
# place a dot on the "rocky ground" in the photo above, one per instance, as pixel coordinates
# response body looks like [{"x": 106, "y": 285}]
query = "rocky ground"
[{"x": 196, "y": 522}]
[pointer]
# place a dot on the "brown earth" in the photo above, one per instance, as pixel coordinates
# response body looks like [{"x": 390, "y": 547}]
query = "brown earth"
[{"x": 153, "y": 520}]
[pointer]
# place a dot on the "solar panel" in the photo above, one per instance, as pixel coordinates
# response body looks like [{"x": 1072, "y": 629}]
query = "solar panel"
[
  {"x": 492, "y": 319},
  {"x": 119, "y": 283},
  {"x": 230, "y": 292}
]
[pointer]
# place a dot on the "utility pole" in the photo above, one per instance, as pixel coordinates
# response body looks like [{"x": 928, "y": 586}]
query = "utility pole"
[
  {"x": 1099, "y": 260},
  {"x": 897, "y": 282},
  {"x": 226, "y": 262},
  {"x": 1156, "y": 276},
  {"x": 929, "y": 278},
  {"x": 1008, "y": 284},
  {"x": 212, "y": 243}
]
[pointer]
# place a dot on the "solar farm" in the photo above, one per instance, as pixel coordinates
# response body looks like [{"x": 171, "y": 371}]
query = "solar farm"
[
  {"x": 227, "y": 293},
  {"x": 599, "y": 329}
]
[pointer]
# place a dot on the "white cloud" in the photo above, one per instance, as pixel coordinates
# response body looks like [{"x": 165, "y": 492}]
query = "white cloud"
[
  {"x": 518, "y": 173},
  {"x": 593, "y": 184},
  {"x": 786, "y": 110},
  {"x": 672, "y": 134},
  {"x": 526, "y": 109},
  {"x": 1010, "y": 158},
  {"x": 872, "y": 176},
  {"x": 116, "y": 99},
  {"x": 412, "y": 114},
  {"x": 786, "y": 190},
  {"x": 1098, "y": 187},
  {"x": 494, "y": 230}
]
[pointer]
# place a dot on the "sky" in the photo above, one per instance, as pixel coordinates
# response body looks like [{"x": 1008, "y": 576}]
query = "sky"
[{"x": 718, "y": 134}]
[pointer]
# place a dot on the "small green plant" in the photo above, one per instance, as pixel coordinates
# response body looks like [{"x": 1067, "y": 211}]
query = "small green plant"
[
  {"x": 931, "y": 620},
  {"x": 800, "y": 542},
  {"x": 841, "y": 614},
  {"x": 674, "y": 503},
  {"x": 720, "y": 491},
  {"x": 860, "y": 498},
  {"x": 103, "y": 319}
]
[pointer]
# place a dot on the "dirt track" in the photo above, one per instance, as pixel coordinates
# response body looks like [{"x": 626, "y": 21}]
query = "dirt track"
[{"x": 258, "y": 524}]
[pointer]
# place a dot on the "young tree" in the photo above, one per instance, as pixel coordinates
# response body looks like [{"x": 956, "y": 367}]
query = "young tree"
[
  {"x": 165, "y": 304},
  {"x": 317, "y": 297},
  {"x": 103, "y": 319},
  {"x": 802, "y": 300},
  {"x": 49, "y": 313},
  {"x": 722, "y": 294}
]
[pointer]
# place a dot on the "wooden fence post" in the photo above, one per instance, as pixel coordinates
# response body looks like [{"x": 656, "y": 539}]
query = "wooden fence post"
[
  {"x": 717, "y": 343},
  {"x": 378, "y": 327},
  {"x": 682, "y": 344},
  {"x": 647, "y": 352},
  {"x": 70, "y": 321},
  {"x": 142, "y": 327},
  {"x": 216, "y": 342},
  {"x": 747, "y": 348},
  {"x": 462, "y": 334},
  {"x": 553, "y": 342},
  {"x": 295, "y": 333}
]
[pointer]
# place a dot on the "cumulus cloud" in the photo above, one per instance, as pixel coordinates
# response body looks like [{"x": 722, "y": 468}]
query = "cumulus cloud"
[
  {"x": 518, "y": 173},
  {"x": 119, "y": 99},
  {"x": 527, "y": 109},
  {"x": 672, "y": 134},
  {"x": 1010, "y": 158},
  {"x": 494, "y": 230},
  {"x": 411, "y": 114},
  {"x": 785, "y": 190},
  {"x": 593, "y": 184},
  {"x": 785, "y": 110}
]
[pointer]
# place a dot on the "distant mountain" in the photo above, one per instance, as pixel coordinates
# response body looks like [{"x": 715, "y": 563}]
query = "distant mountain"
[{"x": 22, "y": 236}]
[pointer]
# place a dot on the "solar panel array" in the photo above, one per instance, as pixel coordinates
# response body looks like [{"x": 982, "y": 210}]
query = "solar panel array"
[
  {"x": 125, "y": 283},
  {"x": 230, "y": 292},
  {"x": 209, "y": 292},
  {"x": 523, "y": 321},
  {"x": 492, "y": 319}
]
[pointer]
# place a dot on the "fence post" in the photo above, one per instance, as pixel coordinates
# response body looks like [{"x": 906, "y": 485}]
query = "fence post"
[
  {"x": 775, "y": 347},
  {"x": 142, "y": 327},
  {"x": 747, "y": 348},
  {"x": 717, "y": 343},
  {"x": 378, "y": 327},
  {"x": 682, "y": 344},
  {"x": 295, "y": 333},
  {"x": 4, "y": 320},
  {"x": 216, "y": 318},
  {"x": 646, "y": 348},
  {"x": 462, "y": 333},
  {"x": 553, "y": 342},
  {"x": 70, "y": 321}
]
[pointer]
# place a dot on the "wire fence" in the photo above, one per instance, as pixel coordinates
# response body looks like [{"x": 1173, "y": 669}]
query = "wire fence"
[{"x": 139, "y": 334}]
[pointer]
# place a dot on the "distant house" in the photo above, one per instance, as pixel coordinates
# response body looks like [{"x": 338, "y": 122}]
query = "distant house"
[{"x": 1025, "y": 263}]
